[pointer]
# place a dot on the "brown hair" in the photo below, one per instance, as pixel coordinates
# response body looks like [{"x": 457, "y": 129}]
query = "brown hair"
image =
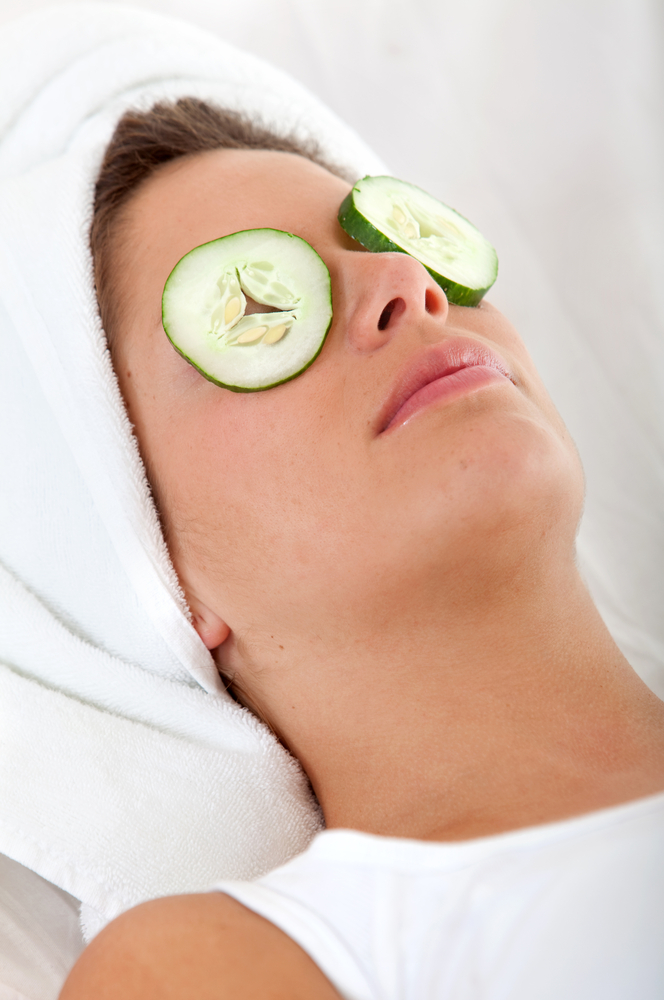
[{"x": 141, "y": 143}]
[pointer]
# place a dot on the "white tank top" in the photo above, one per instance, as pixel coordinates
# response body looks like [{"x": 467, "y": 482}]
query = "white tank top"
[{"x": 572, "y": 910}]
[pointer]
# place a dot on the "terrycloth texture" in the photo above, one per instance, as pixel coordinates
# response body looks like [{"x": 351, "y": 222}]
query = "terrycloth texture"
[{"x": 125, "y": 770}]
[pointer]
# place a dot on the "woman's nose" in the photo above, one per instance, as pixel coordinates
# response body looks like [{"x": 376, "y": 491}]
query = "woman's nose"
[{"x": 381, "y": 293}]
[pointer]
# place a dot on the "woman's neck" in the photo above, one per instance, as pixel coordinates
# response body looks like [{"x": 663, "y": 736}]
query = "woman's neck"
[{"x": 451, "y": 726}]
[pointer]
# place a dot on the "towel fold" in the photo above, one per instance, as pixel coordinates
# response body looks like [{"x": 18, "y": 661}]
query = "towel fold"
[{"x": 126, "y": 771}]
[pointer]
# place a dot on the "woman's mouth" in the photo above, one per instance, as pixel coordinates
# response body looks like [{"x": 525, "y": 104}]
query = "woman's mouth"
[{"x": 446, "y": 371}]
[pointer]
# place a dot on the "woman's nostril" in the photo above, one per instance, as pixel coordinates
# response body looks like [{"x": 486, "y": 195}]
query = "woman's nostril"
[
  {"x": 432, "y": 302},
  {"x": 385, "y": 315},
  {"x": 394, "y": 305}
]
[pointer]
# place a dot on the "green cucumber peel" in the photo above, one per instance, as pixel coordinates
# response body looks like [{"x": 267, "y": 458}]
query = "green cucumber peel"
[
  {"x": 388, "y": 215},
  {"x": 205, "y": 299}
]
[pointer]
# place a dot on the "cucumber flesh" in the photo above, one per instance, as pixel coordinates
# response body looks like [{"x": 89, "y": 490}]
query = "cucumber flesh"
[
  {"x": 386, "y": 214},
  {"x": 205, "y": 301}
]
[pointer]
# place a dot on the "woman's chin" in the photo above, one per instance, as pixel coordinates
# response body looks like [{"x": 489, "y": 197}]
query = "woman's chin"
[{"x": 515, "y": 485}]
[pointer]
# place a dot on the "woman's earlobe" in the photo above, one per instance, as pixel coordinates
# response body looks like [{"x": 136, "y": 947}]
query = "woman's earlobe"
[{"x": 210, "y": 627}]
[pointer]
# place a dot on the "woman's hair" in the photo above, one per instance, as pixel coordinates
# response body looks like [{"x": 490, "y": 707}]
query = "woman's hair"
[{"x": 141, "y": 143}]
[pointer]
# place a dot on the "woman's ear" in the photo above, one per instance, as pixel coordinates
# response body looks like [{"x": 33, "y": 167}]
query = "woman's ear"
[{"x": 210, "y": 627}]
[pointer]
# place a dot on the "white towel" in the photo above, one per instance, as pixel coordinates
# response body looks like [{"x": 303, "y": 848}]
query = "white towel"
[{"x": 126, "y": 771}]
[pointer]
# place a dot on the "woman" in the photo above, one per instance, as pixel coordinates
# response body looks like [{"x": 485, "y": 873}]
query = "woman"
[{"x": 381, "y": 556}]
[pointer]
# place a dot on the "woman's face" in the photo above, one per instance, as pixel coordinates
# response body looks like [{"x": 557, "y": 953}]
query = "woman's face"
[{"x": 330, "y": 504}]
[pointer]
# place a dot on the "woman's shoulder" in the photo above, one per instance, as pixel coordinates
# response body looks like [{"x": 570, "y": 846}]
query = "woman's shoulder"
[{"x": 204, "y": 946}]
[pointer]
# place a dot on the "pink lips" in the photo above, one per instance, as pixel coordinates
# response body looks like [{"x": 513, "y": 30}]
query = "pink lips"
[{"x": 446, "y": 371}]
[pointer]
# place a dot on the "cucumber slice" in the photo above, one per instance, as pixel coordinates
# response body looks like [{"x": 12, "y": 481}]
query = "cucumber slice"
[
  {"x": 385, "y": 214},
  {"x": 205, "y": 298}
]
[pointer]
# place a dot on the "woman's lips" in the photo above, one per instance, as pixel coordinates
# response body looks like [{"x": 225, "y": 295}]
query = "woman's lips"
[{"x": 446, "y": 371}]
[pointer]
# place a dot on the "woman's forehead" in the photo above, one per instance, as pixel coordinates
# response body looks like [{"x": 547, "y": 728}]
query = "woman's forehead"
[{"x": 203, "y": 197}]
